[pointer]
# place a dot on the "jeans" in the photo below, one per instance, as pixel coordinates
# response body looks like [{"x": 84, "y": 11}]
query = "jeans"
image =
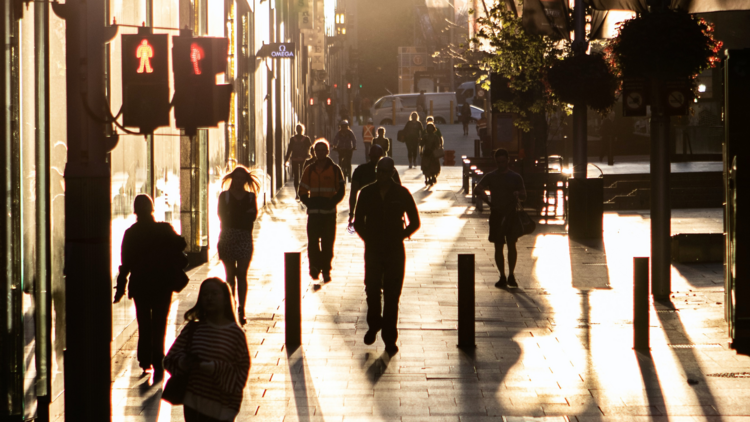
[
  {"x": 384, "y": 270},
  {"x": 151, "y": 313},
  {"x": 296, "y": 173},
  {"x": 321, "y": 234},
  {"x": 367, "y": 151},
  {"x": 345, "y": 162},
  {"x": 412, "y": 151}
]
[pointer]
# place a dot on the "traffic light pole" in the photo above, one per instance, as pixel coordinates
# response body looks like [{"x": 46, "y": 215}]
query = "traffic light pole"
[
  {"x": 580, "y": 129},
  {"x": 88, "y": 281}
]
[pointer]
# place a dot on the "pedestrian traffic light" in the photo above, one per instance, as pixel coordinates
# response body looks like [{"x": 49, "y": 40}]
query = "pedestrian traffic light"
[
  {"x": 198, "y": 100},
  {"x": 145, "y": 80},
  {"x": 312, "y": 101},
  {"x": 348, "y": 85},
  {"x": 328, "y": 101}
]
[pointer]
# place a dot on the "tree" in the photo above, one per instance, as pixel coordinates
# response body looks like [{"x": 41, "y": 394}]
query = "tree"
[{"x": 522, "y": 59}]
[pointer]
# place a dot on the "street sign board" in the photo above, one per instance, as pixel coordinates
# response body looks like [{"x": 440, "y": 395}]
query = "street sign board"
[
  {"x": 634, "y": 97},
  {"x": 676, "y": 96},
  {"x": 277, "y": 50}
]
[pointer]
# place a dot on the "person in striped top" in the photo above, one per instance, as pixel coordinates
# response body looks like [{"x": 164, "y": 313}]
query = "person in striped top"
[{"x": 212, "y": 348}]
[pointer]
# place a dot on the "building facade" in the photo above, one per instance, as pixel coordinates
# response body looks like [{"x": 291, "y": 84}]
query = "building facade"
[{"x": 181, "y": 173}]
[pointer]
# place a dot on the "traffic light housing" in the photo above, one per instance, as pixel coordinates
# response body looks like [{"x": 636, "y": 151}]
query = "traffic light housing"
[
  {"x": 145, "y": 80},
  {"x": 198, "y": 100}
]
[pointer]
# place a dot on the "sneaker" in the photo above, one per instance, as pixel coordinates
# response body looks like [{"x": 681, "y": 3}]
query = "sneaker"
[
  {"x": 502, "y": 283},
  {"x": 370, "y": 337},
  {"x": 512, "y": 282},
  {"x": 314, "y": 273},
  {"x": 327, "y": 277},
  {"x": 391, "y": 349}
]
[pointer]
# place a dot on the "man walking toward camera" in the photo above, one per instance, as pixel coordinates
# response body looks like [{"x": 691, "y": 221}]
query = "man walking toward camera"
[
  {"x": 379, "y": 221},
  {"x": 321, "y": 188},
  {"x": 344, "y": 143},
  {"x": 506, "y": 190}
]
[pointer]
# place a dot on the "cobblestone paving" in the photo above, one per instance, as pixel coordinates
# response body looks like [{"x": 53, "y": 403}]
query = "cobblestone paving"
[{"x": 558, "y": 348}]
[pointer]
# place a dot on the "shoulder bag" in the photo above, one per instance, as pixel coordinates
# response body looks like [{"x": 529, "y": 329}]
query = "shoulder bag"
[
  {"x": 526, "y": 222},
  {"x": 439, "y": 152},
  {"x": 176, "y": 386}
]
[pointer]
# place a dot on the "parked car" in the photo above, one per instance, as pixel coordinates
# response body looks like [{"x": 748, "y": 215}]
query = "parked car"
[{"x": 382, "y": 110}]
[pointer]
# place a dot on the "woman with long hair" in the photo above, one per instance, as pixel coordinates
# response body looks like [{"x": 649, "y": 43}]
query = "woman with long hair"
[
  {"x": 212, "y": 350},
  {"x": 412, "y": 133},
  {"x": 431, "y": 141},
  {"x": 237, "y": 211}
]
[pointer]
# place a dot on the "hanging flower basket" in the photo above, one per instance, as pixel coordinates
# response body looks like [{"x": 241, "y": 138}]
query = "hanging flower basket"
[
  {"x": 667, "y": 45},
  {"x": 584, "y": 78}
]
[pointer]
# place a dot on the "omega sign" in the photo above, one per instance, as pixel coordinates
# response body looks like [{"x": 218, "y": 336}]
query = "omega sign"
[
  {"x": 282, "y": 52},
  {"x": 277, "y": 51}
]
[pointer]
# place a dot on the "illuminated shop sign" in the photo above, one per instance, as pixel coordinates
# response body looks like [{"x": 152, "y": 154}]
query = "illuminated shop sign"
[{"x": 277, "y": 50}]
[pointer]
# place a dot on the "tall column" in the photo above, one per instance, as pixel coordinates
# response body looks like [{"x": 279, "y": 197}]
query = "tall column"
[
  {"x": 661, "y": 246},
  {"x": 88, "y": 282}
]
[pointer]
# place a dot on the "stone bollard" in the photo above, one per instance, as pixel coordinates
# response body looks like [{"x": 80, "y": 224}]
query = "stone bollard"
[
  {"x": 466, "y": 302},
  {"x": 292, "y": 301},
  {"x": 640, "y": 304}
]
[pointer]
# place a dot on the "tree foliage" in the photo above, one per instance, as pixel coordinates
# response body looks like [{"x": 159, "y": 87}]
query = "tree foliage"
[
  {"x": 522, "y": 59},
  {"x": 665, "y": 44}
]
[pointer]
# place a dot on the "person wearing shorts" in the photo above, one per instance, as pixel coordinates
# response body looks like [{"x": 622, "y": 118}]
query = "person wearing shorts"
[{"x": 506, "y": 191}]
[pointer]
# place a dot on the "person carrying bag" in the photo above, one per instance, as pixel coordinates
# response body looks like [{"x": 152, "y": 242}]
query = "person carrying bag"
[{"x": 209, "y": 361}]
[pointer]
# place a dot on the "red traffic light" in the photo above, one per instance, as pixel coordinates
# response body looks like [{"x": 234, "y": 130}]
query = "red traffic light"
[
  {"x": 196, "y": 57},
  {"x": 328, "y": 101},
  {"x": 198, "y": 100},
  {"x": 145, "y": 80},
  {"x": 349, "y": 85},
  {"x": 312, "y": 101},
  {"x": 335, "y": 85}
]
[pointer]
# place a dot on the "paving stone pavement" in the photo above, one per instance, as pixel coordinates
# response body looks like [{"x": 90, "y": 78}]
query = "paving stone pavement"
[{"x": 558, "y": 348}]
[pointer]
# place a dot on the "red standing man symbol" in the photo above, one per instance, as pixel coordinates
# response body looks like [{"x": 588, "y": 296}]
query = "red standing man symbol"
[
  {"x": 145, "y": 53},
  {"x": 196, "y": 55}
]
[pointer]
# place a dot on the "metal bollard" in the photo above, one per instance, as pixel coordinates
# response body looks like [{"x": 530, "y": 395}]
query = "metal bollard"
[
  {"x": 640, "y": 304},
  {"x": 477, "y": 147},
  {"x": 292, "y": 301},
  {"x": 466, "y": 301}
]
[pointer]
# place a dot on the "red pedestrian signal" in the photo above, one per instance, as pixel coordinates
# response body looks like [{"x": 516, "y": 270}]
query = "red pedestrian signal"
[
  {"x": 196, "y": 56},
  {"x": 349, "y": 85},
  {"x": 198, "y": 100},
  {"x": 145, "y": 53},
  {"x": 145, "y": 80},
  {"x": 328, "y": 101},
  {"x": 312, "y": 101}
]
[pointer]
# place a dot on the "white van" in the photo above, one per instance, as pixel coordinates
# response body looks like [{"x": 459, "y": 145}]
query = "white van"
[
  {"x": 382, "y": 110},
  {"x": 467, "y": 91}
]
